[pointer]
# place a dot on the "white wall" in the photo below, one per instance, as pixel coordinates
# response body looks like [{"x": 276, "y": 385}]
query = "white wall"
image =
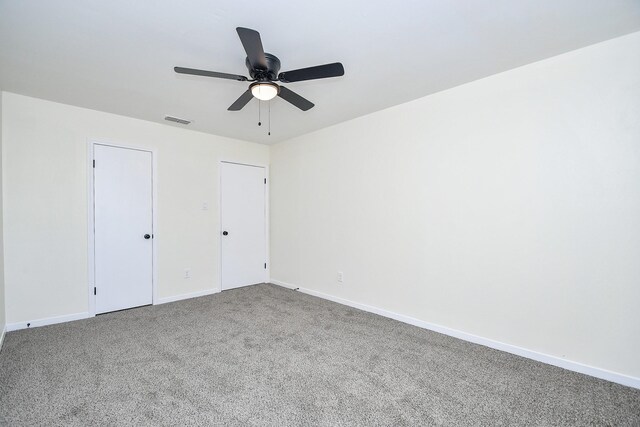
[
  {"x": 508, "y": 208},
  {"x": 3, "y": 319},
  {"x": 45, "y": 210}
]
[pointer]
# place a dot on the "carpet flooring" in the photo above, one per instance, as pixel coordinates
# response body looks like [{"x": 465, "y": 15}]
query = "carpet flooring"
[{"x": 268, "y": 356}]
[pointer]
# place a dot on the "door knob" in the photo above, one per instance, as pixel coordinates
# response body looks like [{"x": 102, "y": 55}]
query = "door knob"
[
  {"x": 147, "y": 236},
  {"x": 224, "y": 233}
]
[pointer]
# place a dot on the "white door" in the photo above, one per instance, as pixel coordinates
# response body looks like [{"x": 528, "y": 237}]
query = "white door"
[
  {"x": 123, "y": 224},
  {"x": 243, "y": 225}
]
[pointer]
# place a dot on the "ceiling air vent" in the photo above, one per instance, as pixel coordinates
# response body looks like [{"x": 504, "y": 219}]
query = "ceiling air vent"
[{"x": 177, "y": 120}]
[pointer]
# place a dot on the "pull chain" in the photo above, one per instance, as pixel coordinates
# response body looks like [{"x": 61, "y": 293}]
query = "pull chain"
[
  {"x": 269, "y": 117},
  {"x": 259, "y": 122}
]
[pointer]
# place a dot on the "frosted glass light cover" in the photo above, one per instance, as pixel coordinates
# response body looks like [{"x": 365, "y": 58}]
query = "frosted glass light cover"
[{"x": 264, "y": 91}]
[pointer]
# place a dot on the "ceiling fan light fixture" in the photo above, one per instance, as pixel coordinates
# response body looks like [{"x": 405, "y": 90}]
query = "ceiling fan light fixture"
[
  {"x": 264, "y": 69},
  {"x": 265, "y": 91}
]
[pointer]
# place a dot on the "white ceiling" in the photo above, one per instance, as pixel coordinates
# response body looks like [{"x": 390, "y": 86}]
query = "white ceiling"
[{"x": 118, "y": 56}]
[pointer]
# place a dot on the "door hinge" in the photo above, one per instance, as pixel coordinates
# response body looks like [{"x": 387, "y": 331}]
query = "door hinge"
[
  {"x": 94, "y": 290},
  {"x": 94, "y": 163},
  {"x": 265, "y": 180},
  {"x": 265, "y": 265}
]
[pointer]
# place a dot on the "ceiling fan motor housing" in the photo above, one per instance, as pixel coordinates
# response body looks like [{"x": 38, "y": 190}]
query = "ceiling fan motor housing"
[{"x": 271, "y": 73}]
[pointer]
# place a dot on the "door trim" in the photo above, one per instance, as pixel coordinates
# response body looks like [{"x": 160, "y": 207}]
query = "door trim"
[
  {"x": 91, "y": 143},
  {"x": 267, "y": 271}
]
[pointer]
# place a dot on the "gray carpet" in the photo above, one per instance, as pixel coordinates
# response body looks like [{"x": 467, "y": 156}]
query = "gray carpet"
[{"x": 267, "y": 356}]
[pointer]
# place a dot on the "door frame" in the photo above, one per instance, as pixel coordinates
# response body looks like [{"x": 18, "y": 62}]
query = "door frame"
[
  {"x": 267, "y": 271},
  {"x": 91, "y": 266}
]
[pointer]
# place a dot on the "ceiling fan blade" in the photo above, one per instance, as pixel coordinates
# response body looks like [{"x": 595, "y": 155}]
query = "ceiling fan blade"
[
  {"x": 241, "y": 102},
  {"x": 195, "y": 72},
  {"x": 253, "y": 46},
  {"x": 295, "y": 99},
  {"x": 311, "y": 73}
]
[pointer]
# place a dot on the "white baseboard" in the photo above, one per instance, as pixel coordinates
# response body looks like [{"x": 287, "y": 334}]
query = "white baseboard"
[
  {"x": 186, "y": 296},
  {"x": 77, "y": 316},
  {"x": 4, "y": 330},
  {"x": 46, "y": 321},
  {"x": 530, "y": 354}
]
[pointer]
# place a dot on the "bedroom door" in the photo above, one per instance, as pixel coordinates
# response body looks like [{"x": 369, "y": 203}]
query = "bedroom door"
[
  {"x": 123, "y": 224},
  {"x": 243, "y": 221}
]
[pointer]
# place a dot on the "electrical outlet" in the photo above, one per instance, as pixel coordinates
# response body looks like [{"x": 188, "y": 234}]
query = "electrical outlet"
[
  {"x": 205, "y": 206},
  {"x": 187, "y": 273},
  {"x": 340, "y": 277}
]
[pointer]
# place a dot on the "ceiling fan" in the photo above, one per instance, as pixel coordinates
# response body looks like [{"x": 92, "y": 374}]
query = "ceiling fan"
[{"x": 264, "y": 71}]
